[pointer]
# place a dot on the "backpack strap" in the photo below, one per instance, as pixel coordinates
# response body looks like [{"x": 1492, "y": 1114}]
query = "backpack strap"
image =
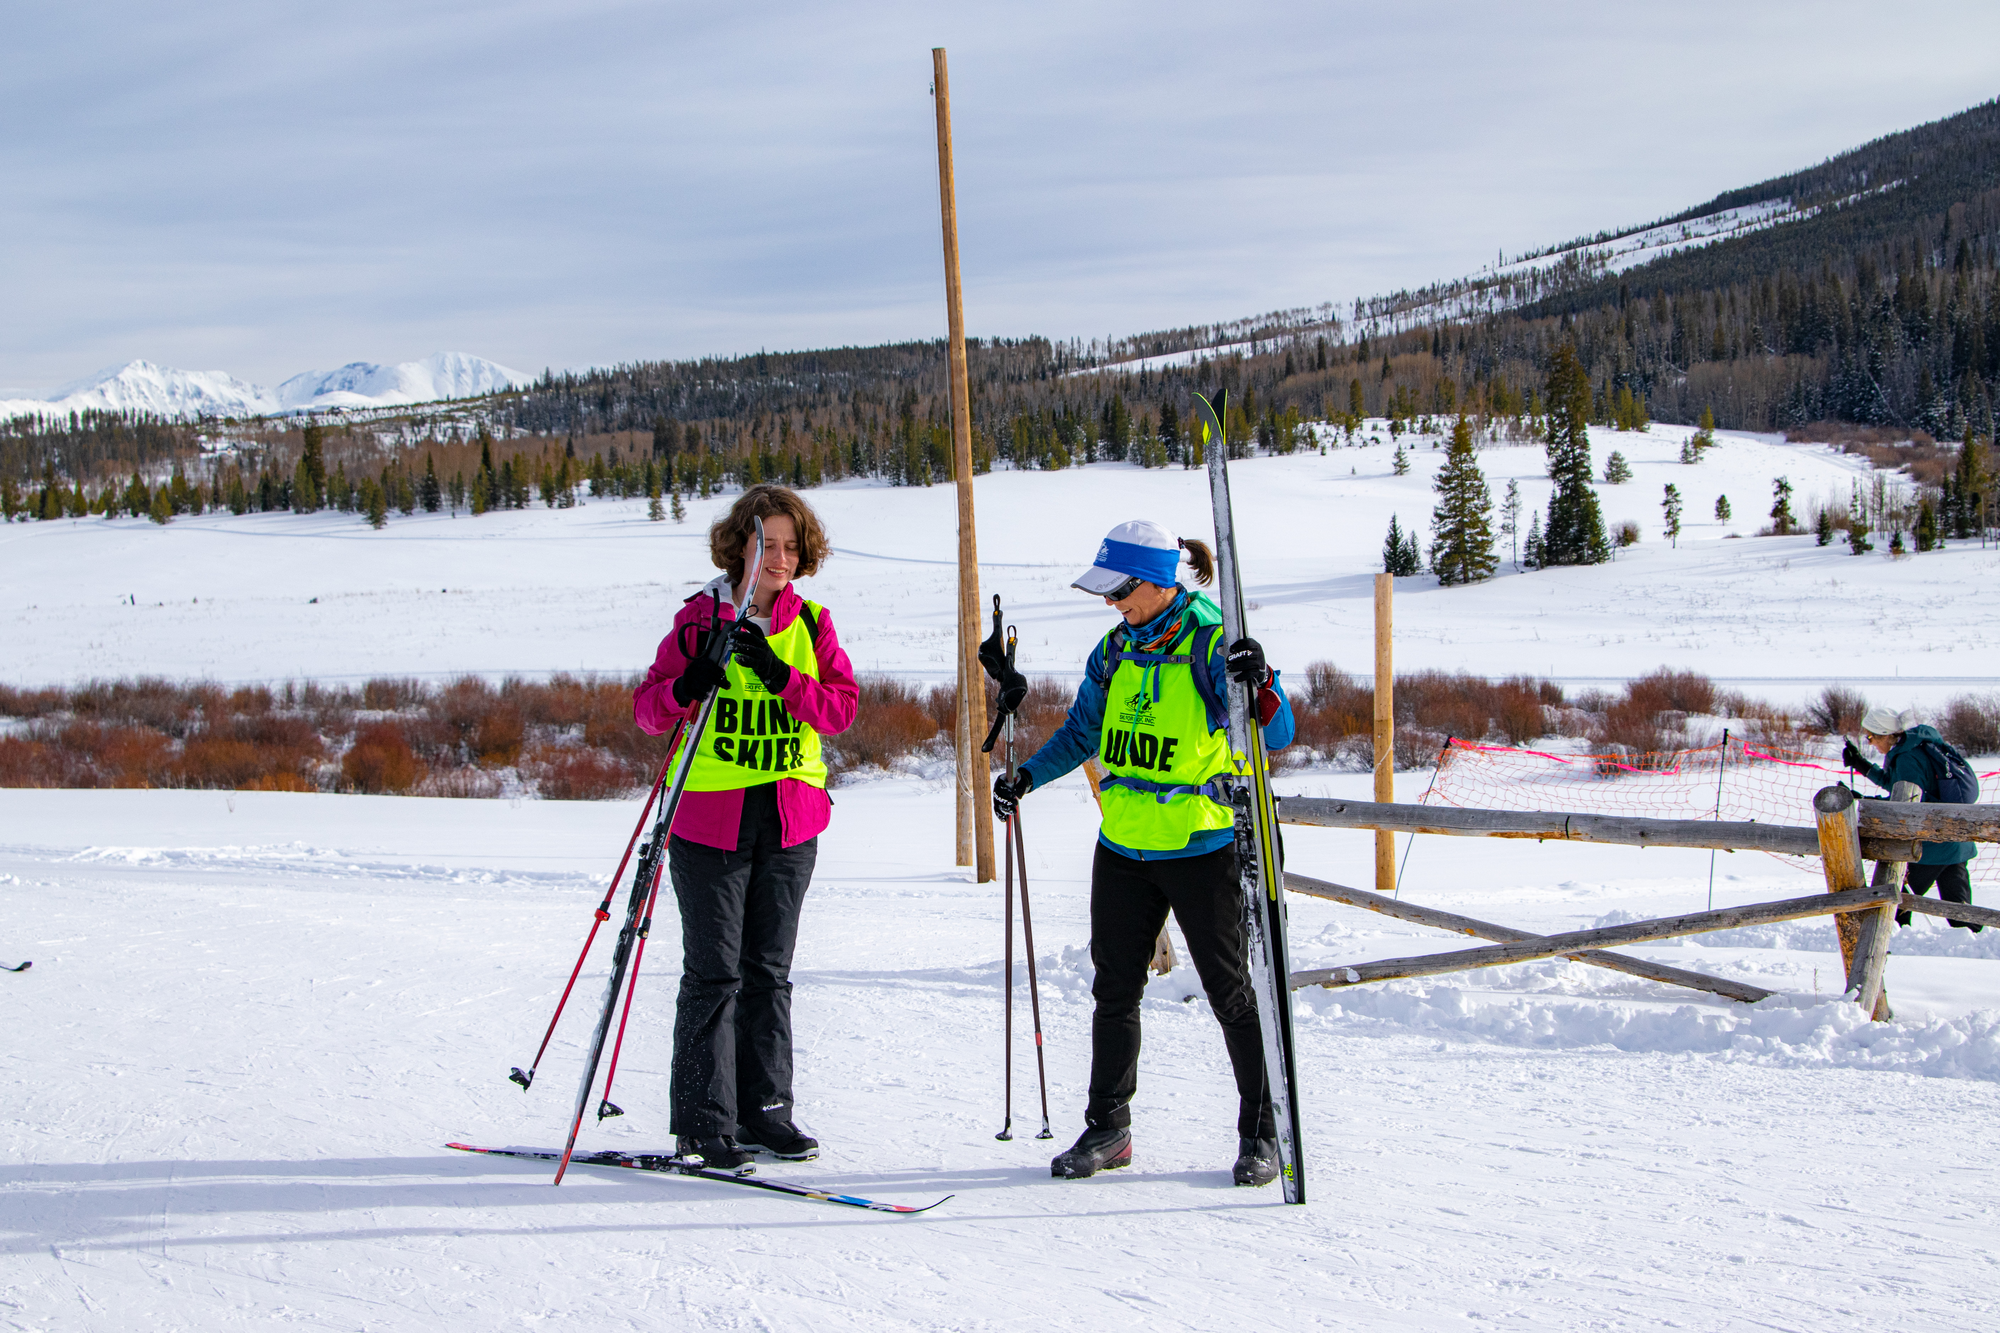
[
  {"x": 812, "y": 621},
  {"x": 1212, "y": 699}
]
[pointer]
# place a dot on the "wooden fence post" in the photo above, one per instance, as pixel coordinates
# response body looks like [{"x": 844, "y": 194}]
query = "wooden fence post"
[
  {"x": 1385, "y": 726},
  {"x": 1871, "y": 954},
  {"x": 1837, "y": 813},
  {"x": 975, "y": 813}
]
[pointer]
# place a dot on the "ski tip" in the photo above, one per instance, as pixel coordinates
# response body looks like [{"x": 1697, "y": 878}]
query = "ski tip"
[{"x": 912, "y": 1212}]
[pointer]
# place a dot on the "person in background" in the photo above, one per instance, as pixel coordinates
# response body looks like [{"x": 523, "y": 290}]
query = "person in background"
[
  {"x": 1152, "y": 707},
  {"x": 747, "y": 832},
  {"x": 1915, "y": 752}
]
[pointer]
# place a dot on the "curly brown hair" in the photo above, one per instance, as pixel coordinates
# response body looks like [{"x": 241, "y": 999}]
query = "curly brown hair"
[{"x": 730, "y": 535}]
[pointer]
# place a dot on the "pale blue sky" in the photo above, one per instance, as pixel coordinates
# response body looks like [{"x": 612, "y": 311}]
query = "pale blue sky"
[{"x": 268, "y": 187}]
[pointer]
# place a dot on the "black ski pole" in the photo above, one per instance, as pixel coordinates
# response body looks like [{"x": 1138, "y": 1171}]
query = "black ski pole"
[
  {"x": 1028, "y": 935},
  {"x": 650, "y": 864}
]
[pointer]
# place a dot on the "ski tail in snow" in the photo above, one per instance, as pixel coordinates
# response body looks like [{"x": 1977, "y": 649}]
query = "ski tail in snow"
[
  {"x": 652, "y": 861},
  {"x": 1257, "y": 849},
  {"x": 681, "y": 1166},
  {"x": 19, "y": 967}
]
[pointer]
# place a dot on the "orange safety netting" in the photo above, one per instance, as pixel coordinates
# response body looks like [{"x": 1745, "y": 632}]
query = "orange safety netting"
[{"x": 1730, "y": 780}]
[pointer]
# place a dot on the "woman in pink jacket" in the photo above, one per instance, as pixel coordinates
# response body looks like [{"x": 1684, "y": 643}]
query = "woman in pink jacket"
[{"x": 747, "y": 831}]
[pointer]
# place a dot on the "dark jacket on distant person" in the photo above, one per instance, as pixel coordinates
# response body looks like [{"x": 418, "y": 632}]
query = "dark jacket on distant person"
[{"x": 1907, "y": 762}]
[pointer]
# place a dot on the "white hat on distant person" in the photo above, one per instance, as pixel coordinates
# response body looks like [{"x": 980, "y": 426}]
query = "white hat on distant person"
[{"x": 1880, "y": 721}]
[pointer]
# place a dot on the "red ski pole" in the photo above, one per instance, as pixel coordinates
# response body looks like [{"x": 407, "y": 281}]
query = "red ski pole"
[{"x": 526, "y": 1077}]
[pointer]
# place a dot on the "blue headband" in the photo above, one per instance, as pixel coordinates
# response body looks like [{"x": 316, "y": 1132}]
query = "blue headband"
[{"x": 1150, "y": 563}]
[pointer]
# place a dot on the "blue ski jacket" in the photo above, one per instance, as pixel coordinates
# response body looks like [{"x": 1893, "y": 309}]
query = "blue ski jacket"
[{"x": 1076, "y": 740}]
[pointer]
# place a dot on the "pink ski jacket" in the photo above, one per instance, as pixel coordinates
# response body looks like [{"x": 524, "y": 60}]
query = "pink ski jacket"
[{"x": 713, "y": 818}]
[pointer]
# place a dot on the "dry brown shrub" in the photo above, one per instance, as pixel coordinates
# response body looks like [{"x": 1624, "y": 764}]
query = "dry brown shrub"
[
  {"x": 393, "y": 694},
  {"x": 572, "y": 773},
  {"x": 279, "y": 781},
  {"x": 1667, "y": 690},
  {"x": 28, "y": 763},
  {"x": 31, "y": 703},
  {"x": 147, "y": 701},
  {"x": 891, "y": 722},
  {"x": 380, "y": 761},
  {"x": 1972, "y": 723},
  {"x": 218, "y": 761},
  {"x": 251, "y": 699},
  {"x": 1838, "y": 710},
  {"x": 96, "y": 755}
]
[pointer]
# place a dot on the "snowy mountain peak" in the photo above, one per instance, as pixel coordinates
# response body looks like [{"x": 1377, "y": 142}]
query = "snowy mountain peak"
[{"x": 141, "y": 386}]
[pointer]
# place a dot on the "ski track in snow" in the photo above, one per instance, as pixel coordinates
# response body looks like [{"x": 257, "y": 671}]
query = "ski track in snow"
[{"x": 255, "y": 1019}]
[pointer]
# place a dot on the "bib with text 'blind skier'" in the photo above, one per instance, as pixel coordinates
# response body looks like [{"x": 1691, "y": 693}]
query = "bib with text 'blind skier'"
[{"x": 752, "y": 738}]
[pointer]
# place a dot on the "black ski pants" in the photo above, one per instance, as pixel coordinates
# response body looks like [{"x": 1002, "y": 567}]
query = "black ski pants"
[
  {"x": 1129, "y": 901},
  {"x": 1954, "y": 884},
  {"x": 733, "y": 1018}
]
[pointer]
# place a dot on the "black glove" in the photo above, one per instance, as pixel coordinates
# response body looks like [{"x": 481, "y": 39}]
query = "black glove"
[
  {"x": 696, "y": 683},
  {"x": 753, "y": 650},
  {"x": 1245, "y": 663},
  {"x": 1850, "y": 755},
  {"x": 1013, "y": 690},
  {"x": 1007, "y": 794}
]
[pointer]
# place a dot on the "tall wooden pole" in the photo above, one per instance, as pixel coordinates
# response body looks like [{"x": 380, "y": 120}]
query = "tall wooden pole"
[
  {"x": 975, "y": 816},
  {"x": 1385, "y": 725}
]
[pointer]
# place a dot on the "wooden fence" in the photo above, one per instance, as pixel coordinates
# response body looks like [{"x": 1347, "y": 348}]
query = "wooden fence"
[{"x": 1846, "y": 833}]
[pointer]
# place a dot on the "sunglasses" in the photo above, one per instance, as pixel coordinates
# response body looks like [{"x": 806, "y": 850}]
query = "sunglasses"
[{"x": 1124, "y": 590}]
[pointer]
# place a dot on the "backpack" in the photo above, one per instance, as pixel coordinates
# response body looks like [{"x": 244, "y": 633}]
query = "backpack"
[
  {"x": 1214, "y": 702},
  {"x": 1957, "y": 784}
]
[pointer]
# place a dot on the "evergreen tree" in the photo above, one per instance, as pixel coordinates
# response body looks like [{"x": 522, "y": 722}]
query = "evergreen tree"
[
  {"x": 1721, "y": 509},
  {"x": 1857, "y": 534},
  {"x": 1575, "y": 533},
  {"x": 309, "y": 478},
  {"x": 1534, "y": 548},
  {"x": 1671, "y": 505},
  {"x": 1170, "y": 430},
  {"x": 1823, "y": 530},
  {"x": 1616, "y": 470},
  {"x": 1927, "y": 526},
  {"x": 1782, "y": 522},
  {"x": 1356, "y": 403},
  {"x": 1400, "y": 464},
  {"x": 1399, "y": 552},
  {"x": 1461, "y": 536},
  {"x": 653, "y": 509},
  {"x": 162, "y": 509},
  {"x": 680, "y": 512},
  {"x": 1510, "y": 518},
  {"x": 431, "y": 493},
  {"x": 1702, "y": 440},
  {"x": 1968, "y": 481}
]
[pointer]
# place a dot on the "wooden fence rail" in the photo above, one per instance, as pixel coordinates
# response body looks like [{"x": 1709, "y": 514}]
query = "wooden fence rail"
[
  {"x": 1486, "y": 930},
  {"x": 1583, "y": 941},
  {"x": 1622, "y": 830}
]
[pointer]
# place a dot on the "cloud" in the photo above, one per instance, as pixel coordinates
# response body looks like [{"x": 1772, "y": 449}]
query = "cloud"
[{"x": 264, "y": 188}]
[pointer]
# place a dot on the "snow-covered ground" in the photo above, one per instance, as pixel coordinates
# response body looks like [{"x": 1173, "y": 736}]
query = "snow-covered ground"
[
  {"x": 254, "y": 1020},
  {"x": 281, "y": 596}
]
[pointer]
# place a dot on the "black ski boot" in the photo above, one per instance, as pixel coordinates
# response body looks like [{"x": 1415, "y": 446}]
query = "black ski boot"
[
  {"x": 1256, "y": 1161},
  {"x": 779, "y": 1138},
  {"x": 1097, "y": 1150},
  {"x": 718, "y": 1153}
]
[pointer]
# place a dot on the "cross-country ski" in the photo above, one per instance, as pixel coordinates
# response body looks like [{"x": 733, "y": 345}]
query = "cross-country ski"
[{"x": 681, "y": 1166}]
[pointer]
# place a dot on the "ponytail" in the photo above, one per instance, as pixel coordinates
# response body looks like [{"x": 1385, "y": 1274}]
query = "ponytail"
[{"x": 1201, "y": 558}]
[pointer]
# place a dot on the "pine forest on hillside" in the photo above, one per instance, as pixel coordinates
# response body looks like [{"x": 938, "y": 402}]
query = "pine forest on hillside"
[{"x": 1878, "y": 308}]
